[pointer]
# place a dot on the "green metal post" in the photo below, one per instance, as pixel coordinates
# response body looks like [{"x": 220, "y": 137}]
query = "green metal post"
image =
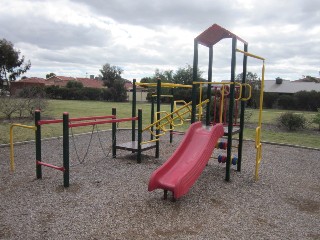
[
  {"x": 231, "y": 103},
  {"x": 243, "y": 105},
  {"x": 134, "y": 106},
  {"x": 172, "y": 103},
  {"x": 195, "y": 79},
  {"x": 37, "y": 117},
  {"x": 139, "y": 135},
  {"x": 209, "y": 86},
  {"x": 158, "y": 116},
  {"x": 114, "y": 135},
  {"x": 66, "y": 149}
]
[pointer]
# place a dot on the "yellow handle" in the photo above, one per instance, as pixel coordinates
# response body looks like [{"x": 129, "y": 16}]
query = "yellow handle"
[{"x": 12, "y": 166}]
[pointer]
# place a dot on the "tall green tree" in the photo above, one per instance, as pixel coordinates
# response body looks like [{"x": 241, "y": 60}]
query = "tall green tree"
[
  {"x": 50, "y": 75},
  {"x": 110, "y": 74},
  {"x": 11, "y": 64}
]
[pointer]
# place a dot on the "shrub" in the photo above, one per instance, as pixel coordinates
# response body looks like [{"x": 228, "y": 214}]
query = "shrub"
[
  {"x": 316, "y": 119},
  {"x": 287, "y": 102},
  {"x": 292, "y": 121},
  {"x": 74, "y": 84},
  {"x": 270, "y": 99}
]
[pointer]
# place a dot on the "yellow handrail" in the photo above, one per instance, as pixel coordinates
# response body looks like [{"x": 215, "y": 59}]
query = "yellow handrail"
[
  {"x": 250, "y": 92},
  {"x": 12, "y": 166},
  {"x": 165, "y": 85},
  {"x": 250, "y": 54},
  {"x": 179, "y": 116}
]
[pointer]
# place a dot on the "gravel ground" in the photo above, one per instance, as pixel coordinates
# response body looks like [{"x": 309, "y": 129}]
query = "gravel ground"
[{"x": 108, "y": 198}]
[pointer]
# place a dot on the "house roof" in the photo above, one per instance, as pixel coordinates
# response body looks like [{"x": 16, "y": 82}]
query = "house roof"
[
  {"x": 93, "y": 83},
  {"x": 33, "y": 80},
  {"x": 62, "y": 81},
  {"x": 290, "y": 86},
  {"x": 129, "y": 86},
  {"x": 62, "y": 78},
  {"x": 214, "y": 34}
]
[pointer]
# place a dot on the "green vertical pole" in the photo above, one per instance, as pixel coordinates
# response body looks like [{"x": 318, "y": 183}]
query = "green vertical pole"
[
  {"x": 139, "y": 135},
  {"x": 66, "y": 149},
  {"x": 158, "y": 116},
  {"x": 194, "y": 79},
  {"x": 209, "y": 86},
  {"x": 243, "y": 105},
  {"x": 134, "y": 106},
  {"x": 171, "y": 110},
  {"x": 231, "y": 102},
  {"x": 37, "y": 117},
  {"x": 114, "y": 135},
  {"x": 152, "y": 115}
]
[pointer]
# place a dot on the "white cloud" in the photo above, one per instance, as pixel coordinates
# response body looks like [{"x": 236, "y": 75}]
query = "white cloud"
[{"x": 78, "y": 37}]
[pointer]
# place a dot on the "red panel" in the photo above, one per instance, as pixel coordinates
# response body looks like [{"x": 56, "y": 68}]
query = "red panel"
[
  {"x": 214, "y": 34},
  {"x": 184, "y": 167}
]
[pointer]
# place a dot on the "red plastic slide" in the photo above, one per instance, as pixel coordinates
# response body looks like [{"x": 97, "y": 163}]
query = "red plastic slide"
[{"x": 185, "y": 165}]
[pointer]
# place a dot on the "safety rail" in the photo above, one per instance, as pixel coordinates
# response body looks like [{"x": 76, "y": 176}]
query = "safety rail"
[
  {"x": 165, "y": 85},
  {"x": 258, "y": 144},
  {"x": 169, "y": 119},
  {"x": 43, "y": 122},
  {"x": 72, "y": 125},
  {"x": 12, "y": 165}
]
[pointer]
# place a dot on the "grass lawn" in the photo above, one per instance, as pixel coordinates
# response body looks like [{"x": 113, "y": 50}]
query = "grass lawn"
[{"x": 309, "y": 137}]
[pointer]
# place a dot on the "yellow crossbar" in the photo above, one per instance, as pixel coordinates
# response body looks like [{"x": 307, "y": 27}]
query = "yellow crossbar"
[
  {"x": 250, "y": 54},
  {"x": 12, "y": 167},
  {"x": 165, "y": 85}
]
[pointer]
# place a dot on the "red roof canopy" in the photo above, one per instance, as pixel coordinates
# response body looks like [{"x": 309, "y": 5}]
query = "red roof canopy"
[{"x": 214, "y": 34}]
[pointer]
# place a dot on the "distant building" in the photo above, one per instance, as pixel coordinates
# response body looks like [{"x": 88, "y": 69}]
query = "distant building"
[
  {"x": 289, "y": 87},
  {"x": 141, "y": 92},
  {"x": 61, "y": 81},
  {"x": 17, "y": 86}
]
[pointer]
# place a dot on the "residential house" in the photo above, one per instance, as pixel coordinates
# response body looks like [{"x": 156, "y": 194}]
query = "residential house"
[
  {"x": 17, "y": 86},
  {"x": 289, "y": 87},
  {"x": 141, "y": 92},
  {"x": 61, "y": 81}
]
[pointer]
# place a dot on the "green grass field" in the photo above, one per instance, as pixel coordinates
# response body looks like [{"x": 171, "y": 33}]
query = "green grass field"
[{"x": 309, "y": 137}]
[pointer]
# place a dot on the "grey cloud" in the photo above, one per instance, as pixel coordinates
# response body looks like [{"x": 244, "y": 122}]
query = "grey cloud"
[
  {"x": 51, "y": 35},
  {"x": 188, "y": 14}
]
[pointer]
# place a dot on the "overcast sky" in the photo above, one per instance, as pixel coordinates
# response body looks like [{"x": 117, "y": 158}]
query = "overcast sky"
[{"x": 76, "y": 37}]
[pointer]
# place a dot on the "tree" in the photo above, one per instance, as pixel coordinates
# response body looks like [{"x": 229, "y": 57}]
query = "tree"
[
  {"x": 50, "y": 75},
  {"x": 185, "y": 75},
  {"x": 119, "y": 92},
  {"x": 316, "y": 119},
  {"x": 255, "y": 82},
  {"x": 11, "y": 64},
  {"x": 110, "y": 74}
]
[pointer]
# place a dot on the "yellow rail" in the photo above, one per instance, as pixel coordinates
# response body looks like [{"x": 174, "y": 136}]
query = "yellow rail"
[
  {"x": 165, "y": 85},
  {"x": 12, "y": 166},
  {"x": 250, "y": 54},
  {"x": 258, "y": 129},
  {"x": 258, "y": 144},
  {"x": 169, "y": 119}
]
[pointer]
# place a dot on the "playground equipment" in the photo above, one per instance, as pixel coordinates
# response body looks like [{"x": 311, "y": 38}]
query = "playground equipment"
[
  {"x": 185, "y": 165},
  {"x": 209, "y": 38},
  {"x": 182, "y": 169},
  {"x": 72, "y": 123}
]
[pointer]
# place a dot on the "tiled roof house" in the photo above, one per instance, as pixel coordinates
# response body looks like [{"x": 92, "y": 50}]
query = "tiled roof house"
[
  {"x": 289, "y": 87},
  {"x": 61, "y": 81}
]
